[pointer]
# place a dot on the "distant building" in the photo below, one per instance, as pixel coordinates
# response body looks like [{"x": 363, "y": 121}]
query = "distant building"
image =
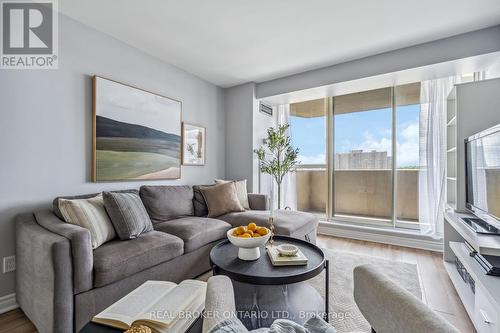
[{"x": 359, "y": 159}]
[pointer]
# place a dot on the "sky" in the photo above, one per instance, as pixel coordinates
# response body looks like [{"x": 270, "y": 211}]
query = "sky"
[
  {"x": 134, "y": 106},
  {"x": 368, "y": 130}
]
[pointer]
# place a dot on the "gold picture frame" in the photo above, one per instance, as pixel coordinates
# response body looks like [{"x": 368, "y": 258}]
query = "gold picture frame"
[{"x": 136, "y": 134}]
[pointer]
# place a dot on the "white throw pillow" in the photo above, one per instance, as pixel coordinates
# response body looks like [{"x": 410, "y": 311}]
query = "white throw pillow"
[
  {"x": 241, "y": 190},
  {"x": 89, "y": 214}
]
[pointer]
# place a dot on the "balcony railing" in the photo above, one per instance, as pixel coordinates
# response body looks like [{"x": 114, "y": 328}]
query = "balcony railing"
[{"x": 363, "y": 193}]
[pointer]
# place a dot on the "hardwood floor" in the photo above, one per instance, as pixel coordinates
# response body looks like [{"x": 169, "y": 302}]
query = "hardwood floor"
[
  {"x": 437, "y": 288},
  {"x": 15, "y": 322}
]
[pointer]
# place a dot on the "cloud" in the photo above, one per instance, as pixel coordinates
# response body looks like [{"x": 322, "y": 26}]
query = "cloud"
[
  {"x": 411, "y": 131},
  {"x": 312, "y": 159},
  {"x": 370, "y": 143},
  {"x": 407, "y": 146}
]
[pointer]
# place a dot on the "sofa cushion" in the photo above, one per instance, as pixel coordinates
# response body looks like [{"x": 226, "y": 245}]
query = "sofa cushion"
[
  {"x": 221, "y": 199},
  {"x": 199, "y": 203},
  {"x": 91, "y": 215},
  {"x": 128, "y": 214},
  {"x": 55, "y": 202},
  {"x": 286, "y": 222},
  {"x": 195, "y": 231},
  {"x": 241, "y": 190},
  {"x": 116, "y": 260},
  {"x": 165, "y": 203}
]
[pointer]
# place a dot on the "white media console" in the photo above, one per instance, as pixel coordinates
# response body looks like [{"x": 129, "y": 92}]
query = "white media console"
[
  {"x": 472, "y": 107},
  {"x": 482, "y": 304}
]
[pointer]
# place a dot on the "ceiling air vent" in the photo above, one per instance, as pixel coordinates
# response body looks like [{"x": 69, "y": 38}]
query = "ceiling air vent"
[{"x": 267, "y": 109}]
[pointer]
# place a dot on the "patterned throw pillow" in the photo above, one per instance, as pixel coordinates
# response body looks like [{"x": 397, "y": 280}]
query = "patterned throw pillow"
[
  {"x": 241, "y": 190},
  {"x": 127, "y": 213},
  {"x": 89, "y": 214}
]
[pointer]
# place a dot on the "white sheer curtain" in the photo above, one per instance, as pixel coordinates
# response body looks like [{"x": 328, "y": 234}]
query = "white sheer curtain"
[
  {"x": 288, "y": 187},
  {"x": 432, "y": 175}
]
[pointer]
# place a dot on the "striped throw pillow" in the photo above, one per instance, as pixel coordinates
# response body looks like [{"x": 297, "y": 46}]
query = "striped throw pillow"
[
  {"x": 89, "y": 214},
  {"x": 128, "y": 214}
]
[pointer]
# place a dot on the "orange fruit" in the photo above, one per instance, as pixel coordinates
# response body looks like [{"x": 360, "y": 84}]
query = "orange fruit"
[
  {"x": 250, "y": 232},
  {"x": 240, "y": 231},
  {"x": 256, "y": 235},
  {"x": 262, "y": 231},
  {"x": 246, "y": 235},
  {"x": 252, "y": 226}
]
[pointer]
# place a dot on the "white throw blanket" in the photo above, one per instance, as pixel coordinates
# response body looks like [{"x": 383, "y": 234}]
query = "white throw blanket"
[{"x": 313, "y": 325}]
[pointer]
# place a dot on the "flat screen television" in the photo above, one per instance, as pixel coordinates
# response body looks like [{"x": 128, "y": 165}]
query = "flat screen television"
[{"x": 482, "y": 172}]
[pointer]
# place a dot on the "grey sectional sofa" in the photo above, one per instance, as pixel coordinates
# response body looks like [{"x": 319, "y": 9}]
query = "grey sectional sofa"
[{"x": 61, "y": 282}]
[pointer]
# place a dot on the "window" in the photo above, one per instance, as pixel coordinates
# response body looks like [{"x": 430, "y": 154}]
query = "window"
[
  {"x": 363, "y": 155},
  {"x": 373, "y": 159},
  {"x": 407, "y": 114},
  {"x": 308, "y": 133}
]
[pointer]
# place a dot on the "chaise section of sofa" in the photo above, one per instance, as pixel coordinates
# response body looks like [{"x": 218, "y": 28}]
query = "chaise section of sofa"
[{"x": 295, "y": 224}]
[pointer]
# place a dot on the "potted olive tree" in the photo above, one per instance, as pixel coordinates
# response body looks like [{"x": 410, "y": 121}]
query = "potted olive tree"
[{"x": 277, "y": 157}]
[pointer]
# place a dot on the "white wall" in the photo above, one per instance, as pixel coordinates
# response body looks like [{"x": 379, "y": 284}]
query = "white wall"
[
  {"x": 261, "y": 122},
  {"x": 239, "y": 102},
  {"x": 245, "y": 131},
  {"x": 456, "y": 47},
  {"x": 493, "y": 71},
  {"x": 46, "y": 117}
]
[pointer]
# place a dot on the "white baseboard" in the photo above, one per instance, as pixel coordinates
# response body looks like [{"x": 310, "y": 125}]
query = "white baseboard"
[
  {"x": 7, "y": 303},
  {"x": 381, "y": 236}
]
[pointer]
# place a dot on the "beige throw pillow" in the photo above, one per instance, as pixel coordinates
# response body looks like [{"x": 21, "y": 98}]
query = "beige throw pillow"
[
  {"x": 241, "y": 190},
  {"x": 89, "y": 214},
  {"x": 221, "y": 199}
]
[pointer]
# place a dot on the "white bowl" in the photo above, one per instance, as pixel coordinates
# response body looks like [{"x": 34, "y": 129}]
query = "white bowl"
[
  {"x": 287, "y": 249},
  {"x": 248, "y": 247}
]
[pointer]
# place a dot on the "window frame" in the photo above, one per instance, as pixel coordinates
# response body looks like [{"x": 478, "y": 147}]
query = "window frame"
[{"x": 330, "y": 153}]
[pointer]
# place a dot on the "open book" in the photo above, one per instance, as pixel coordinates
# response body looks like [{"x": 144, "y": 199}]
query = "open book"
[{"x": 163, "y": 306}]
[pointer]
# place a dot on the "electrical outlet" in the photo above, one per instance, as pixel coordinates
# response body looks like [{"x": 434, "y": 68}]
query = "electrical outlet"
[{"x": 9, "y": 264}]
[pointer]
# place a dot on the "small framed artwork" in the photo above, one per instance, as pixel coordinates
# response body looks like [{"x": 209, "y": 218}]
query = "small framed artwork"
[{"x": 193, "y": 144}]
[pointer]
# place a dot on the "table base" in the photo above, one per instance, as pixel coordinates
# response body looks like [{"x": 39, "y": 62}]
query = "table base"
[{"x": 260, "y": 305}]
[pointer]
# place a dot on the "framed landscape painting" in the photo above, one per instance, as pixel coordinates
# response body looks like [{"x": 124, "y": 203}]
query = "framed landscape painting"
[
  {"x": 193, "y": 145},
  {"x": 137, "y": 134}
]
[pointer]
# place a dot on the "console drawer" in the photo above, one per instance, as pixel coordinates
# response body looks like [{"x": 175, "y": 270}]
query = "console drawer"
[{"x": 485, "y": 314}]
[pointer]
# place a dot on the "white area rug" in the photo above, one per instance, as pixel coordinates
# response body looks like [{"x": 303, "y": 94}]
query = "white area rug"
[{"x": 344, "y": 314}]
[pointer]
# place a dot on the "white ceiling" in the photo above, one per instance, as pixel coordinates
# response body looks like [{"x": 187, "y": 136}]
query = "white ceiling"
[{"x": 229, "y": 42}]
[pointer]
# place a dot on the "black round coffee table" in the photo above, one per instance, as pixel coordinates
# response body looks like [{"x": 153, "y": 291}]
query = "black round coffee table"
[{"x": 260, "y": 279}]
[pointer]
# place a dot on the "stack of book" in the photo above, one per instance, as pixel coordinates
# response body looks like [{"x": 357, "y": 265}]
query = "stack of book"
[{"x": 278, "y": 259}]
